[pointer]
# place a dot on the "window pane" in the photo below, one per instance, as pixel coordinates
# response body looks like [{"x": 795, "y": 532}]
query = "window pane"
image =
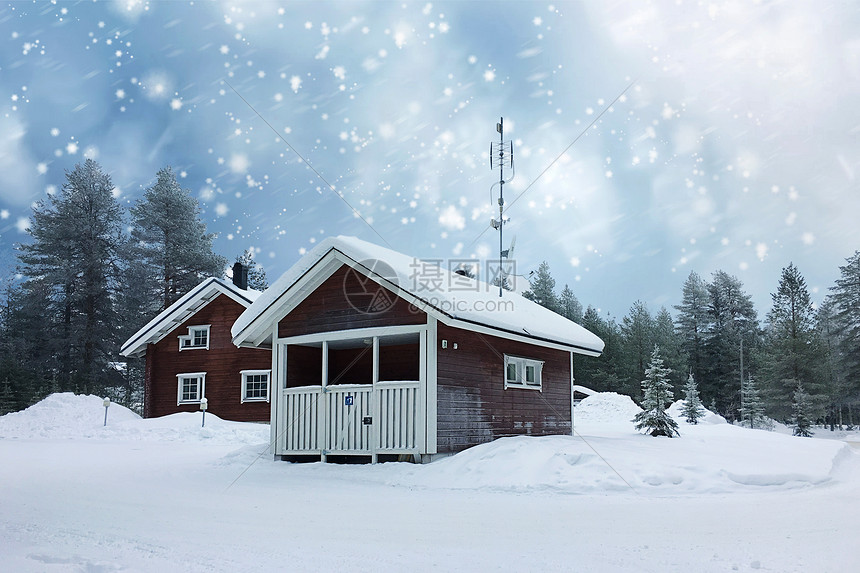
[
  {"x": 256, "y": 386},
  {"x": 200, "y": 336},
  {"x": 530, "y": 374},
  {"x": 511, "y": 372}
]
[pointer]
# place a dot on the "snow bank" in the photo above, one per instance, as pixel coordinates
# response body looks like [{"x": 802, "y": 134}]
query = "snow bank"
[
  {"x": 609, "y": 455},
  {"x": 66, "y": 416},
  {"x": 606, "y": 407}
]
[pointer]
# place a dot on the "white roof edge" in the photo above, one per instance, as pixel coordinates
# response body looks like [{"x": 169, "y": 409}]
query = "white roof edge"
[
  {"x": 166, "y": 320},
  {"x": 526, "y": 321}
]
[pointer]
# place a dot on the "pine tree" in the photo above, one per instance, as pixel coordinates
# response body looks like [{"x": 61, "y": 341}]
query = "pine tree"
[
  {"x": 601, "y": 373},
  {"x": 792, "y": 350},
  {"x": 657, "y": 393},
  {"x": 846, "y": 299},
  {"x": 7, "y": 398},
  {"x": 542, "y": 289},
  {"x": 693, "y": 322},
  {"x": 671, "y": 347},
  {"x": 692, "y": 408},
  {"x": 257, "y": 274},
  {"x": 569, "y": 306},
  {"x": 172, "y": 240},
  {"x": 800, "y": 412},
  {"x": 76, "y": 235},
  {"x": 637, "y": 330},
  {"x": 752, "y": 409},
  {"x": 733, "y": 317}
]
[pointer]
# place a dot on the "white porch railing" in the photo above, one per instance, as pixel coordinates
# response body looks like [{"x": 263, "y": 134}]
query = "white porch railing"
[{"x": 350, "y": 419}]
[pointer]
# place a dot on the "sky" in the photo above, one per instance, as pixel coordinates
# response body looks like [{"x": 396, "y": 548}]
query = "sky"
[{"x": 650, "y": 139}]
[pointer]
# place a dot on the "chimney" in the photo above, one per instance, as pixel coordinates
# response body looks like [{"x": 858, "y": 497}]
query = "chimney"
[{"x": 240, "y": 275}]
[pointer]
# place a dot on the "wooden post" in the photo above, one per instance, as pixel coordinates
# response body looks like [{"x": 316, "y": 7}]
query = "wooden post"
[
  {"x": 322, "y": 411},
  {"x": 374, "y": 401}
]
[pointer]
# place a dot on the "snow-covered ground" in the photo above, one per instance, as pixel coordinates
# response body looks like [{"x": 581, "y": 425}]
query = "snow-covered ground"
[{"x": 166, "y": 494}]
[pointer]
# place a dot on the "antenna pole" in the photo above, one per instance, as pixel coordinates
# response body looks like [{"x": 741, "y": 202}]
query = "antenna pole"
[
  {"x": 501, "y": 200},
  {"x": 503, "y": 156}
]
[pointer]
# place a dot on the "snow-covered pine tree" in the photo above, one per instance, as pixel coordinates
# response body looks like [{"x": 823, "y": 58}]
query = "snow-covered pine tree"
[
  {"x": 752, "y": 409},
  {"x": 172, "y": 240},
  {"x": 800, "y": 409},
  {"x": 692, "y": 408},
  {"x": 657, "y": 393},
  {"x": 256, "y": 273},
  {"x": 569, "y": 306},
  {"x": 542, "y": 289},
  {"x": 77, "y": 234}
]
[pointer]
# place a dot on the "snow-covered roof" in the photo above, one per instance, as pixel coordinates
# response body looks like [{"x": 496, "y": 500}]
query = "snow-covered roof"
[
  {"x": 182, "y": 309},
  {"x": 453, "y": 299}
]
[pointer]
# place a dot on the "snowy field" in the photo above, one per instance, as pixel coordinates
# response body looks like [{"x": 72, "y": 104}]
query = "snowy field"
[{"x": 168, "y": 495}]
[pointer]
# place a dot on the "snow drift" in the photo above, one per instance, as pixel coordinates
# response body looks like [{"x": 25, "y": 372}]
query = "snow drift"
[{"x": 66, "y": 416}]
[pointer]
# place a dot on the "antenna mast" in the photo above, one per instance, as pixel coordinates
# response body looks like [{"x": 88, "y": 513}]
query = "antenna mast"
[{"x": 501, "y": 155}]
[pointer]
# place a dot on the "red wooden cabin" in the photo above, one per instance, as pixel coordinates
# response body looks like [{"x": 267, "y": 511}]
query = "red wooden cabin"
[
  {"x": 375, "y": 353},
  {"x": 189, "y": 356}
]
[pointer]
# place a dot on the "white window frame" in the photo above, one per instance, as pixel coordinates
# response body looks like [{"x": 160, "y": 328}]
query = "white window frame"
[
  {"x": 189, "y": 338},
  {"x": 201, "y": 387},
  {"x": 522, "y": 364},
  {"x": 245, "y": 374}
]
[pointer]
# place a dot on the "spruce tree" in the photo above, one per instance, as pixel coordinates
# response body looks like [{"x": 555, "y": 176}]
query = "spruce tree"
[
  {"x": 257, "y": 274},
  {"x": 542, "y": 289},
  {"x": 77, "y": 234},
  {"x": 601, "y": 373},
  {"x": 692, "y": 323},
  {"x": 792, "y": 351},
  {"x": 692, "y": 408},
  {"x": 569, "y": 306},
  {"x": 172, "y": 240},
  {"x": 800, "y": 412},
  {"x": 752, "y": 409},
  {"x": 671, "y": 347},
  {"x": 657, "y": 393},
  {"x": 637, "y": 330},
  {"x": 846, "y": 299},
  {"x": 732, "y": 317}
]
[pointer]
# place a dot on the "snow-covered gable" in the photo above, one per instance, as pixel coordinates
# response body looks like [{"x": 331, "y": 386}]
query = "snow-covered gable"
[
  {"x": 453, "y": 299},
  {"x": 182, "y": 309}
]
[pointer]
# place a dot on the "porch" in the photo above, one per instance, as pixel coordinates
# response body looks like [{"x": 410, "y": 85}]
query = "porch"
[{"x": 353, "y": 393}]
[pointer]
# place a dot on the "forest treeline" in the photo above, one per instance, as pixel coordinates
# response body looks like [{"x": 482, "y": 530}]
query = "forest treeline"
[
  {"x": 93, "y": 273},
  {"x": 796, "y": 352}
]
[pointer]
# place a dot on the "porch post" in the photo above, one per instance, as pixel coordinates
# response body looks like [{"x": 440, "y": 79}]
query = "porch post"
[
  {"x": 572, "y": 381},
  {"x": 374, "y": 404},
  {"x": 275, "y": 394},
  {"x": 322, "y": 409}
]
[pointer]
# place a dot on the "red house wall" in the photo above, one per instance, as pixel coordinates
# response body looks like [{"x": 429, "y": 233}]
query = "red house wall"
[
  {"x": 222, "y": 363},
  {"x": 473, "y": 405},
  {"x": 338, "y": 304}
]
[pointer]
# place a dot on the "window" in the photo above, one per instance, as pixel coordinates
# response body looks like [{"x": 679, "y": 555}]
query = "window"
[
  {"x": 191, "y": 387},
  {"x": 523, "y": 372},
  {"x": 255, "y": 385},
  {"x": 197, "y": 337}
]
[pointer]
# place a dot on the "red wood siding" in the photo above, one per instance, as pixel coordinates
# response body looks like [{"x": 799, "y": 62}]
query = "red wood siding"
[
  {"x": 328, "y": 308},
  {"x": 473, "y": 405},
  {"x": 222, "y": 363}
]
